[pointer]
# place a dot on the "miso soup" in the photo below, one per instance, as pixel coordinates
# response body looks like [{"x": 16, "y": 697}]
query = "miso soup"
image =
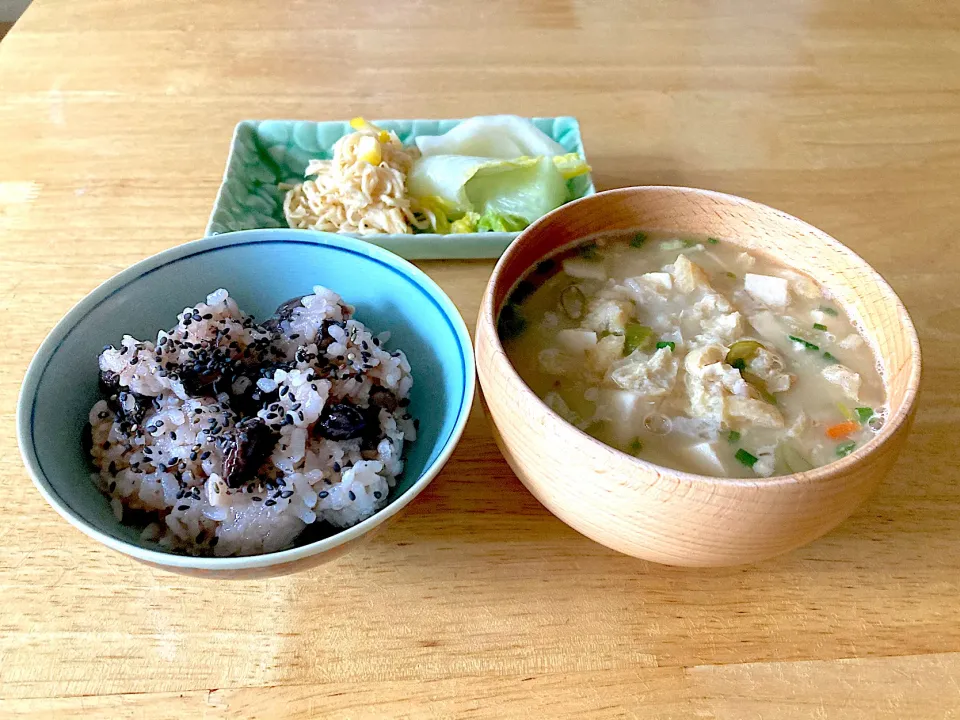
[{"x": 691, "y": 353}]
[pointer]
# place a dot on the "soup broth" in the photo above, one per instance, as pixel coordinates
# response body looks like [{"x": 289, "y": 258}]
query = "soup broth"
[{"x": 691, "y": 353}]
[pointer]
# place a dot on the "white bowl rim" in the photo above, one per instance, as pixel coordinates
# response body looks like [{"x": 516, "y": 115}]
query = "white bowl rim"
[
  {"x": 131, "y": 274},
  {"x": 822, "y": 473}
]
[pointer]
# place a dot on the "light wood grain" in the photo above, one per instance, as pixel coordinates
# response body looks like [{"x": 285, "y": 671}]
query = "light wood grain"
[
  {"x": 114, "y": 127},
  {"x": 663, "y": 515}
]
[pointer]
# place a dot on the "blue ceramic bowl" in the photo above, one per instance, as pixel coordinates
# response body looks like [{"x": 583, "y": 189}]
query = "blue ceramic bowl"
[{"x": 260, "y": 269}]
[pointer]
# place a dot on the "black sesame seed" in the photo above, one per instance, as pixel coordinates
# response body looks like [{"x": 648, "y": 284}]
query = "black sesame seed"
[
  {"x": 208, "y": 316},
  {"x": 284, "y": 390},
  {"x": 289, "y": 493},
  {"x": 281, "y": 482},
  {"x": 256, "y": 499},
  {"x": 173, "y": 435},
  {"x": 103, "y": 414},
  {"x": 180, "y": 494},
  {"x": 336, "y": 467},
  {"x": 113, "y": 468},
  {"x": 322, "y": 493},
  {"x": 377, "y": 494},
  {"x": 297, "y": 406},
  {"x": 295, "y": 336},
  {"x": 113, "y": 486},
  {"x": 181, "y": 508},
  {"x": 134, "y": 360},
  {"x": 352, "y": 494},
  {"x": 269, "y": 503}
]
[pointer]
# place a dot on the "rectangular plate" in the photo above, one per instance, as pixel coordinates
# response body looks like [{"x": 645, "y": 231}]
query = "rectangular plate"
[{"x": 265, "y": 153}]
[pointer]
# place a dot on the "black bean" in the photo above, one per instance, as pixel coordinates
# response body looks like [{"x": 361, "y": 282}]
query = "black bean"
[
  {"x": 247, "y": 446},
  {"x": 381, "y": 397},
  {"x": 340, "y": 421}
]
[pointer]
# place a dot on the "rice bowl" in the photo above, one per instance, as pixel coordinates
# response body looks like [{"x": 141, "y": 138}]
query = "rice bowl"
[{"x": 261, "y": 269}]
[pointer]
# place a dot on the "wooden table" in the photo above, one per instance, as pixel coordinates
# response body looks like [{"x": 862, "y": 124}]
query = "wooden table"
[{"x": 115, "y": 121}]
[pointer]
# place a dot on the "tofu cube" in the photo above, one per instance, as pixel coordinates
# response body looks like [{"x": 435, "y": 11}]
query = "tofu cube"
[
  {"x": 706, "y": 459},
  {"x": 576, "y": 342},
  {"x": 772, "y": 291}
]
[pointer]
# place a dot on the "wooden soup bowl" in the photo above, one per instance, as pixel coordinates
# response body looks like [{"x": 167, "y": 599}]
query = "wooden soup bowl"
[{"x": 665, "y": 515}]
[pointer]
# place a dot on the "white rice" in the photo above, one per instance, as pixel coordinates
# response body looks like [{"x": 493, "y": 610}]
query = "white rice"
[{"x": 160, "y": 444}]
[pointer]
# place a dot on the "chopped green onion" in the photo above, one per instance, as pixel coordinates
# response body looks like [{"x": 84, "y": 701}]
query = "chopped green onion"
[
  {"x": 733, "y": 436},
  {"x": 746, "y": 458},
  {"x": 713, "y": 240},
  {"x": 573, "y": 302},
  {"x": 828, "y": 356},
  {"x": 636, "y": 336},
  {"x": 805, "y": 343},
  {"x": 636, "y": 445},
  {"x": 742, "y": 352},
  {"x": 819, "y": 326},
  {"x": 667, "y": 344},
  {"x": 828, "y": 310},
  {"x": 844, "y": 449},
  {"x": 759, "y": 385},
  {"x": 588, "y": 251},
  {"x": 731, "y": 275},
  {"x": 688, "y": 243},
  {"x": 864, "y": 414},
  {"x": 638, "y": 240}
]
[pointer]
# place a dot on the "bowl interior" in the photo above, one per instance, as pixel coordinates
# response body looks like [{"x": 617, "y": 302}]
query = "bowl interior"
[
  {"x": 260, "y": 269},
  {"x": 864, "y": 294}
]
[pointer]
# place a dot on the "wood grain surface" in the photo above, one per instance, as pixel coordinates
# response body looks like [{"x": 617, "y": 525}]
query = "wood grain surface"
[{"x": 114, "y": 125}]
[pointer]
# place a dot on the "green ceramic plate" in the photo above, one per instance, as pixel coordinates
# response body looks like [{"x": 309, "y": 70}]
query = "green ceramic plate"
[{"x": 265, "y": 153}]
